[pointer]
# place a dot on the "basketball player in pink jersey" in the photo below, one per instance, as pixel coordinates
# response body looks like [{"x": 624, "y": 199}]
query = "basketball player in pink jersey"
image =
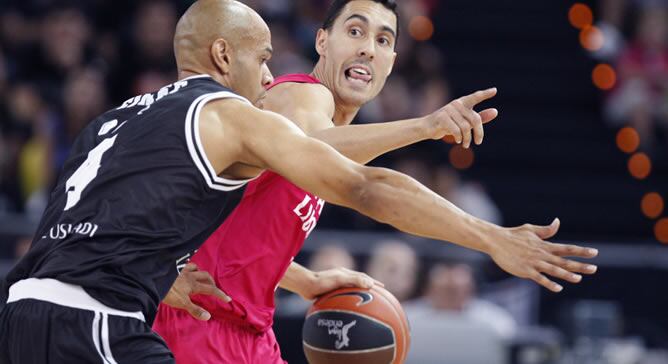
[{"x": 251, "y": 253}]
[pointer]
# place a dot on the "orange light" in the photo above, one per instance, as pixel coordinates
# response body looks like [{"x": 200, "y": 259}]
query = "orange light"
[
  {"x": 421, "y": 28},
  {"x": 591, "y": 38},
  {"x": 580, "y": 15},
  {"x": 460, "y": 157},
  {"x": 449, "y": 139},
  {"x": 661, "y": 230},
  {"x": 604, "y": 76},
  {"x": 652, "y": 205},
  {"x": 628, "y": 139},
  {"x": 640, "y": 166}
]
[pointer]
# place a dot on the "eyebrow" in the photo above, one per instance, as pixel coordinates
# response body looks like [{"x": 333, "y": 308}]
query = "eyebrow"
[{"x": 364, "y": 19}]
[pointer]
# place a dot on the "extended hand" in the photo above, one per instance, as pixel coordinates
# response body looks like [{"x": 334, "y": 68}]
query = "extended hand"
[
  {"x": 329, "y": 280},
  {"x": 192, "y": 281},
  {"x": 523, "y": 252},
  {"x": 459, "y": 120}
]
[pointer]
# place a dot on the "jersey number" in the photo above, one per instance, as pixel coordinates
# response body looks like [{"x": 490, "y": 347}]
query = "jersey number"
[{"x": 85, "y": 174}]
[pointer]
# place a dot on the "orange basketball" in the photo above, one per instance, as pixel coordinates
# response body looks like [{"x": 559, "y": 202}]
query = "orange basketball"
[{"x": 356, "y": 325}]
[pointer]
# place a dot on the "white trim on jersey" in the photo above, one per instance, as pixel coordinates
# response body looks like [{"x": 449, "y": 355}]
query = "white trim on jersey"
[
  {"x": 195, "y": 77},
  {"x": 196, "y": 149},
  {"x": 64, "y": 294}
]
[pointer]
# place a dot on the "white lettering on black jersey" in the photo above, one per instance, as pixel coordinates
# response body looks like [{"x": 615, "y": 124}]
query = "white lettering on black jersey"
[{"x": 136, "y": 194}]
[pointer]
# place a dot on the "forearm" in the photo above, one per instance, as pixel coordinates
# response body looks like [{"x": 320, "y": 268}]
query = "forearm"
[
  {"x": 298, "y": 279},
  {"x": 363, "y": 143},
  {"x": 407, "y": 205}
]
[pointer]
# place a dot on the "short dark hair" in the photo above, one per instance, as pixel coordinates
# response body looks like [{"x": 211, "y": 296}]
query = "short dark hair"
[{"x": 337, "y": 6}]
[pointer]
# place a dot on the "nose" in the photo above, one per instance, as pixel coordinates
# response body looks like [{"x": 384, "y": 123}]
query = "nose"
[
  {"x": 267, "y": 78},
  {"x": 367, "y": 49}
]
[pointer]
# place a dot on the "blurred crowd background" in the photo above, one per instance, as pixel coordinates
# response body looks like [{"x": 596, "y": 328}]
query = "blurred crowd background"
[{"x": 582, "y": 135}]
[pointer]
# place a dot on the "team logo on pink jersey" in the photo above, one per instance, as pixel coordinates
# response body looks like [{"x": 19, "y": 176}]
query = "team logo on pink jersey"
[{"x": 309, "y": 211}]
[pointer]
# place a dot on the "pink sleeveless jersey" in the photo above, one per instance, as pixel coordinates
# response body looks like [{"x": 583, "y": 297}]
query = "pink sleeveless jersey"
[{"x": 249, "y": 253}]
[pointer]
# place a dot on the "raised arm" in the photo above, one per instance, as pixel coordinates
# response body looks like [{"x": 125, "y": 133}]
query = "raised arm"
[
  {"x": 268, "y": 140},
  {"x": 311, "y": 107}
]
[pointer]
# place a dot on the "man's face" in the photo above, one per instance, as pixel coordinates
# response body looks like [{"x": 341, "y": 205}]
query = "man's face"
[
  {"x": 249, "y": 72},
  {"x": 359, "y": 51}
]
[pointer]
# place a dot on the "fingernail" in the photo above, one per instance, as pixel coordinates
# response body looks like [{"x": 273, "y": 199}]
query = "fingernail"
[
  {"x": 205, "y": 316},
  {"x": 576, "y": 277},
  {"x": 558, "y": 287},
  {"x": 592, "y": 268},
  {"x": 592, "y": 251}
]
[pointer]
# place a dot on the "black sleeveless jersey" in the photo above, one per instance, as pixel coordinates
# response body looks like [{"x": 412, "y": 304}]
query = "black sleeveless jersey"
[{"x": 135, "y": 198}]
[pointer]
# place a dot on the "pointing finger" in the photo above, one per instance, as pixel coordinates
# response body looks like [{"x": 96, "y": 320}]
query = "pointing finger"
[{"x": 477, "y": 97}]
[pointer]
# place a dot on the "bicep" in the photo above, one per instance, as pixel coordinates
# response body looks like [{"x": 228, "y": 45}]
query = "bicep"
[{"x": 312, "y": 165}]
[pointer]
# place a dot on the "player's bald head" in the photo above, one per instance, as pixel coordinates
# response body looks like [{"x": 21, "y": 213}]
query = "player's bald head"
[
  {"x": 228, "y": 41},
  {"x": 207, "y": 21}
]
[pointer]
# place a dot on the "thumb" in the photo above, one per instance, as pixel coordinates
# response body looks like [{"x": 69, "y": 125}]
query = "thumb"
[
  {"x": 197, "y": 312},
  {"x": 548, "y": 231},
  {"x": 488, "y": 115}
]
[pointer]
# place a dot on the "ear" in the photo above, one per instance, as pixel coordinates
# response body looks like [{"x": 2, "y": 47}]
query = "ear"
[
  {"x": 394, "y": 59},
  {"x": 321, "y": 41},
  {"x": 220, "y": 55}
]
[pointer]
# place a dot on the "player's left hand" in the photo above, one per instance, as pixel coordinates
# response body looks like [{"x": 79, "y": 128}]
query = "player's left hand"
[
  {"x": 193, "y": 281},
  {"x": 459, "y": 120},
  {"x": 329, "y": 280}
]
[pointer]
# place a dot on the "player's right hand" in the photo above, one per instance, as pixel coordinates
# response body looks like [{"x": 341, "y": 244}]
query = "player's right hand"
[
  {"x": 193, "y": 281},
  {"x": 524, "y": 252},
  {"x": 459, "y": 120},
  {"x": 331, "y": 279}
]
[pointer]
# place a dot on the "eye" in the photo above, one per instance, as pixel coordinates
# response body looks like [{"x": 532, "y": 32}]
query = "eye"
[
  {"x": 355, "y": 32},
  {"x": 384, "y": 41}
]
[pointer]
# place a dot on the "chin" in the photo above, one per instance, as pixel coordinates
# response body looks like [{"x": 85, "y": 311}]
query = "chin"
[{"x": 356, "y": 99}]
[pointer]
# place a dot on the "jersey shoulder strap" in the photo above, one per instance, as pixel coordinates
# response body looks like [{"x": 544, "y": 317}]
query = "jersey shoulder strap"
[{"x": 295, "y": 77}]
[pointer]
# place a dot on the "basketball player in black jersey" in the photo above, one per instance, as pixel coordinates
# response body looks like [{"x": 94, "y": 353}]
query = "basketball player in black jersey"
[{"x": 148, "y": 181}]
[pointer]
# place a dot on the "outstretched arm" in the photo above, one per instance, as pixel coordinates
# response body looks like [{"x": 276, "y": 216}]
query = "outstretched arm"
[
  {"x": 311, "y": 107},
  {"x": 241, "y": 133}
]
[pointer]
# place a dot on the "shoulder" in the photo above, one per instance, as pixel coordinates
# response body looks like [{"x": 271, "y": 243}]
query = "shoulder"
[
  {"x": 236, "y": 116},
  {"x": 228, "y": 109},
  {"x": 309, "y": 105},
  {"x": 310, "y": 96}
]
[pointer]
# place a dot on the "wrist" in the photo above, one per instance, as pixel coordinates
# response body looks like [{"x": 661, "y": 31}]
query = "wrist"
[
  {"x": 494, "y": 239},
  {"x": 484, "y": 236},
  {"x": 426, "y": 127},
  {"x": 310, "y": 285}
]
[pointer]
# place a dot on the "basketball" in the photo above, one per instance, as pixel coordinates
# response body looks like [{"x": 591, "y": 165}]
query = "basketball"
[{"x": 355, "y": 325}]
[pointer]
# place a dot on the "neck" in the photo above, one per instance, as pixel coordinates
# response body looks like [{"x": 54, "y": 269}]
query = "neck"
[
  {"x": 343, "y": 113},
  {"x": 186, "y": 73},
  {"x": 192, "y": 71}
]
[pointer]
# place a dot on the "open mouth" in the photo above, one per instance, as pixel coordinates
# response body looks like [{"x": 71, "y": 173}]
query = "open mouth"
[{"x": 358, "y": 74}]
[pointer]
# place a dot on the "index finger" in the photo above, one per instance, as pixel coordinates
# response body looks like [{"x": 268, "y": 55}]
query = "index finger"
[
  {"x": 211, "y": 290},
  {"x": 477, "y": 97}
]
